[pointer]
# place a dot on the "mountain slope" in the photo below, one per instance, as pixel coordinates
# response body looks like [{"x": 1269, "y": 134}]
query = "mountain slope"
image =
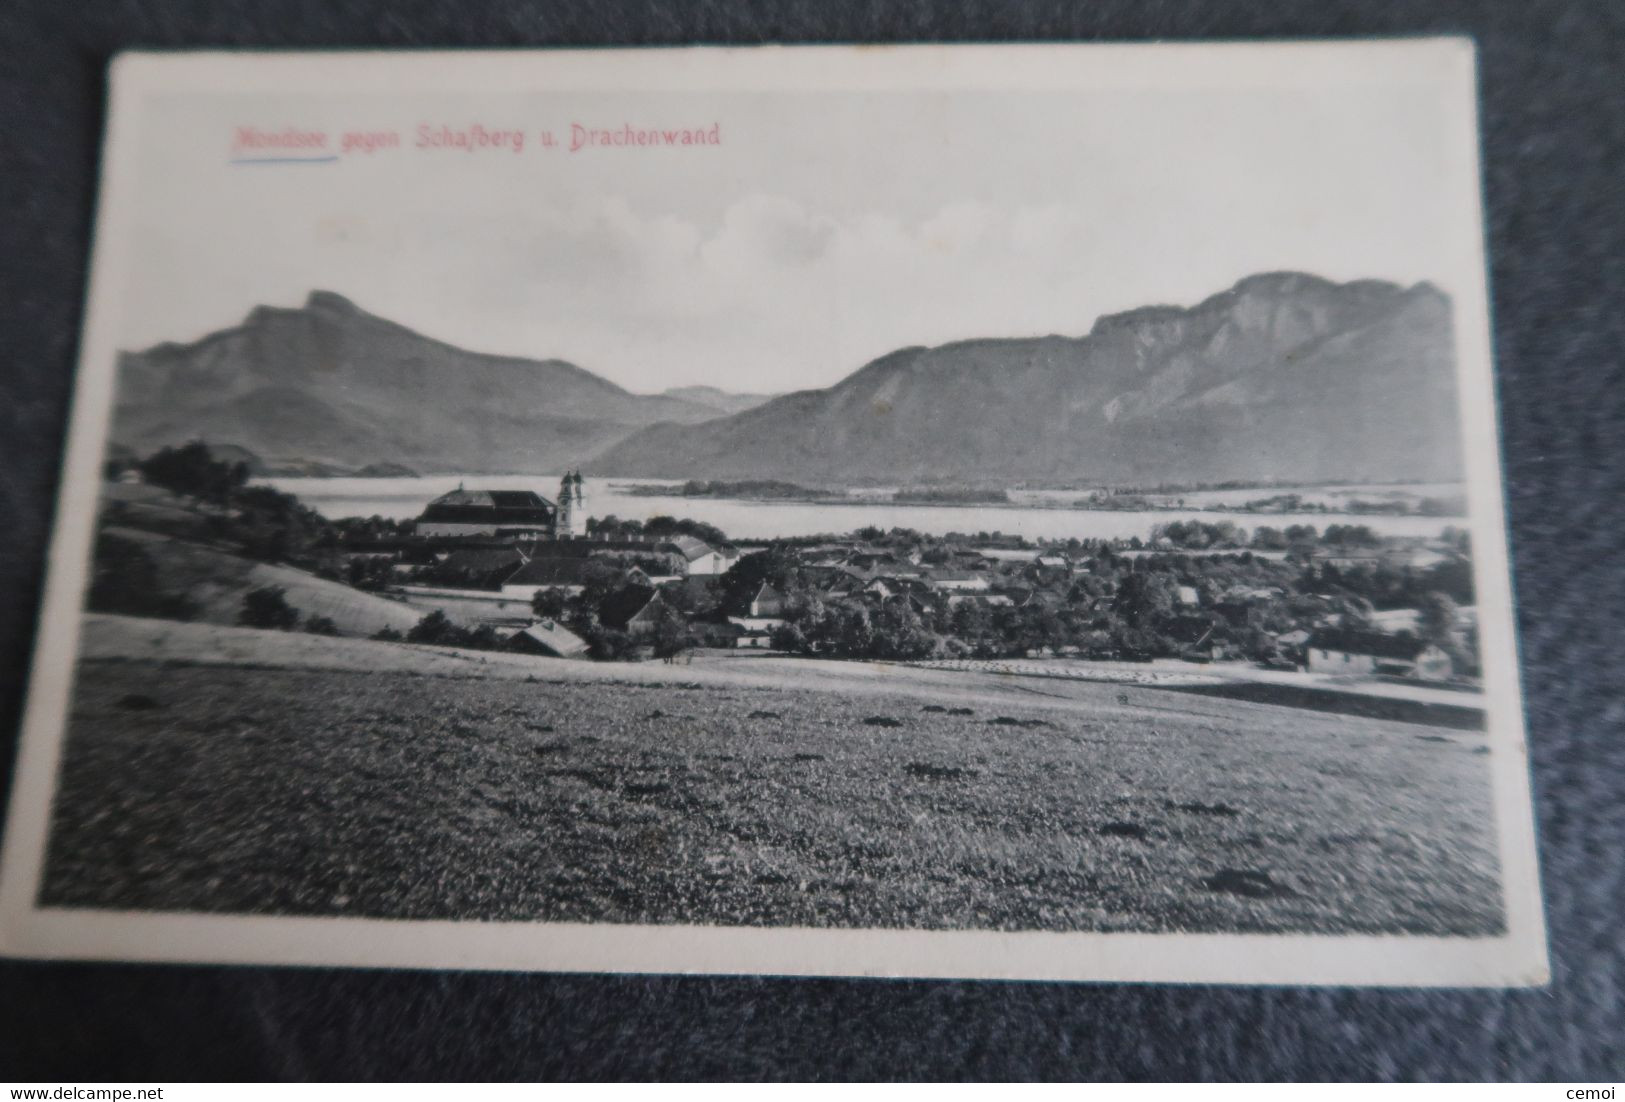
[
  {"x": 720, "y": 400},
  {"x": 1283, "y": 377},
  {"x": 329, "y": 382}
]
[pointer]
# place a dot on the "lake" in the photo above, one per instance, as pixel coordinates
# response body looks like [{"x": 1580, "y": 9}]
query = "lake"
[{"x": 404, "y": 498}]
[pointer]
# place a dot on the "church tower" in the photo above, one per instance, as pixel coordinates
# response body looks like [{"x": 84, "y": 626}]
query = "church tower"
[{"x": 564, "y": 526}]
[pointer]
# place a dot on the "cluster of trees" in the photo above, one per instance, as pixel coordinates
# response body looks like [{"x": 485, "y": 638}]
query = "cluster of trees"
[
  {"x": 192, "y": 471},
  {"x": 268, "y": 607},
  {"x": 1225, "y": 535},
  {"x": 893, "y": 632},
  {"x": 437, "y": 629},
  {"x": 1386, "y": 586},
  {"x": 952, "y": 495},
  {"x": 125, "y": 580},
  {"x": 1200, "y": 535},
  {"x": 746, "y": 488}
]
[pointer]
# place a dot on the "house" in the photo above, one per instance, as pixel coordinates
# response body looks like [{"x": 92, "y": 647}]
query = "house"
[
  {"x": 986, "y": 600},
  {"x": 1397, "y": 620},
  {"x": 1353, "y": 651},
  {"x": 831, "y": 577},
  {"x": 1187, "y": 595},
  {"x": 462, "y": 513},
  {"x": 753, "y": 639},
  {"x": 684, "y": 554},
  {"x": 1347, "y": 558},
  {"x": 549, "y": 638},
  {"x": 764, "y": 612},
  {"x": 701, "y": 558},
  {"x": 634, "y": 609},
  {"x": 882, "y": 589},
  {"x": 768, "y": 602},
  {"x": 1396, "y": 558},
  {"x": 957, "y": 581},
  {"x": 475, "y": 561},
  {"x": 536, "y": 575},
  {"x": 1043, "y": 598},
  {"x": 872, "y": 561},
  {"x": 697, "y": 592}
]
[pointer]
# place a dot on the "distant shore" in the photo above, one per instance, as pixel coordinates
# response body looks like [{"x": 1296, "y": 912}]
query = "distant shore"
[{"x": 1101, "y": 502}]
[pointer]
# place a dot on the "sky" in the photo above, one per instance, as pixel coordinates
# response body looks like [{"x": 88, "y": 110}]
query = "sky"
[{"x": 824, "y": 230}]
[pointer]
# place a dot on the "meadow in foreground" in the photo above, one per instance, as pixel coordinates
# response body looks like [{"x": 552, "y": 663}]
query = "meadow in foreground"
[{"x": 327, "y": 792}]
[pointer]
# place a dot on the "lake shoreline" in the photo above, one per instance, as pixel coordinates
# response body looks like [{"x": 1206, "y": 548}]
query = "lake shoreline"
[
  {"x": 1036, "y": 515},
  {"x": 874, "y": 502}
]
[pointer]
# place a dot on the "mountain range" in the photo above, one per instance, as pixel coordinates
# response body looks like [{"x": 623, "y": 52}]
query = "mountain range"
[
  {"x": 329, "y": 386},
  {"x": 1283, "y": 377}
]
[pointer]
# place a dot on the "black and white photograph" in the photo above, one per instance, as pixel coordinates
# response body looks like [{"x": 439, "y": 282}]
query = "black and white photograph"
[{"x": 1006, "y": 512}]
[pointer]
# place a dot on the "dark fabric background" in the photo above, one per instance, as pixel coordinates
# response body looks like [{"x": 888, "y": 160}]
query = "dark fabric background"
[{"x": 1554, "y": 131}]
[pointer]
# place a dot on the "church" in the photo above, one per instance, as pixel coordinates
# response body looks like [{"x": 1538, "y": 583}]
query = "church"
[{"x": 504, "y": 513}]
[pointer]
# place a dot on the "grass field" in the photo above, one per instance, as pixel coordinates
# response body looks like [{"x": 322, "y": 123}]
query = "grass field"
[{"x": 569, "y": 791}]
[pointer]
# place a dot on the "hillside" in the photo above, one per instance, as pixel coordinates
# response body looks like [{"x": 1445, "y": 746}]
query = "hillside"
[
  {"x": 260, "y": 773},
  {"x": 715, "y": 398},
  {"x": 217, "y": 581},
  {"x": 1284, "y": 376},
  {"x": 329, "y": 384}
]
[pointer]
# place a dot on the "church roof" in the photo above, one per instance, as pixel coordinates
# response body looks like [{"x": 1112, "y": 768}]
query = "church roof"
[
  {"x": 493, "y": 499},
  {"x": 462, "y": 506}
]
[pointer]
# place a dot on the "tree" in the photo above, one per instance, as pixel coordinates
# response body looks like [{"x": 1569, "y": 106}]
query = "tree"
[
  {"x": 125, "y": 580},
  {"x": 1039, "y": 628},
  {"x": 789, "y": 637},
  {"x": 666, "y": 527},
  {"x": 609, "y": 645},
  {"x": 267, "y": 607},
  {"x": 898, "y": 634},
  {"x": 1144, "y": 597},
  {"x": 437, "y": 629},
  {"x": 484, "y": 637},
  {"x": 671, "y": 635},
  {"x": 1437, "y": 620},
  {"x": 847, "y": 631},
  {"x": 1351, "y": 535},
  {"x": 599, "y": 578},
  {"x": 369, "y": 572},
  {"x": 274, "y": 527},
  {"x": 777, "y": 566},
  {"x": 971, "y": 620},
  {"x": 192, "y": 470},
  {"x": 321, "y": 625},
  {"x": 549, "y": 604},
  {"x": 1266, "y": 538}
]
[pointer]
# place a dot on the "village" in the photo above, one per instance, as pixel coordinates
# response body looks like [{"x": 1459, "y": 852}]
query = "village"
[{"x": 515, "y": 570}]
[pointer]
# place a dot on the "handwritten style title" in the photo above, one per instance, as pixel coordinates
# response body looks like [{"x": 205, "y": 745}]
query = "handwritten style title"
[{"x": 295, "y": 143}]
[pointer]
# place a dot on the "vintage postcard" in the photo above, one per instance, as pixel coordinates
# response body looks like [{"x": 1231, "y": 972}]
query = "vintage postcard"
[{"x": 1004, "y": 512}]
